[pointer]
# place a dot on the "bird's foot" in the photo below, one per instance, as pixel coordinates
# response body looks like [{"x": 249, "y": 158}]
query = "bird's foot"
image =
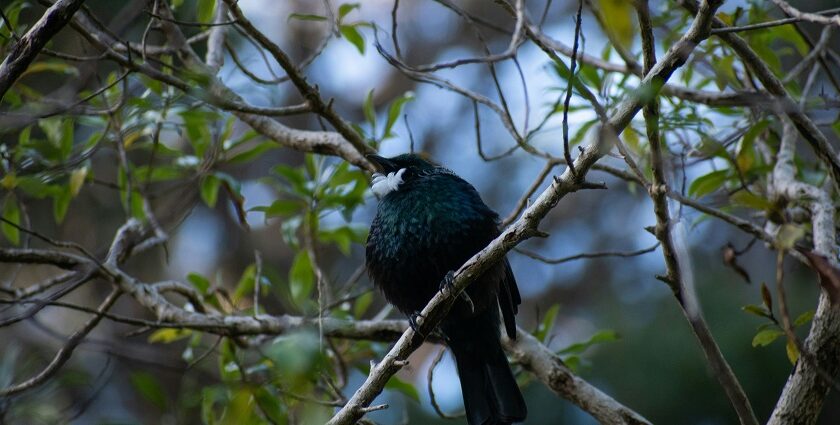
[
  {"x": 412, "y": 321},
  {"x": 448, "y": 281}
]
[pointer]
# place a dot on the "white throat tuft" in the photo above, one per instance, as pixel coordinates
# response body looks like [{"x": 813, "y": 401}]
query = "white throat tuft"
[{"x": 384, "y": 184}]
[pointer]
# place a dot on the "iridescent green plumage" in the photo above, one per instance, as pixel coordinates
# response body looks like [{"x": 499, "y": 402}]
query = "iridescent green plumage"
[{"x": 431, "y": 224}]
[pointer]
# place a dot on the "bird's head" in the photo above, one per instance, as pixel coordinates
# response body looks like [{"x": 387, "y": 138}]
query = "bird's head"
[{"x": 392, "y": 173}]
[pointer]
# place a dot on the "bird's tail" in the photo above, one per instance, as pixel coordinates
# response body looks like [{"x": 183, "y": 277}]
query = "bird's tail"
[{"x": 491, "y": 395}]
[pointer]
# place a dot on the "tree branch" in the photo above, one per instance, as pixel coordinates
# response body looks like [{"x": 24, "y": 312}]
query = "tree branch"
[
  {"x": 803, "y": 395},
  {"x": 65, "y": 352},
  {"x": 684, "y": 293},
  {"x": 28, "y": 47}
]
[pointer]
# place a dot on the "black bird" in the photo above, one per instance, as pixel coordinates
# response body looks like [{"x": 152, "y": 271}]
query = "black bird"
[{"x": 429, "y": 222}]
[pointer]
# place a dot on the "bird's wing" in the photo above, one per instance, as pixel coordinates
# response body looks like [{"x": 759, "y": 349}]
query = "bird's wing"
[{"x": 509, "y": 300}]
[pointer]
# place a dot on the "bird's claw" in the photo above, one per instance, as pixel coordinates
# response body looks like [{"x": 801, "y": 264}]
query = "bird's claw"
[
  {"x": 412, "y": 321},
  {"x": 447, "y": 284},
  {"x": 448, "y": 281}
]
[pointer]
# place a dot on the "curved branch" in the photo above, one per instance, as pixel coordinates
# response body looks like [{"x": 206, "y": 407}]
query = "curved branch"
[{"x": 65, "y": 352}]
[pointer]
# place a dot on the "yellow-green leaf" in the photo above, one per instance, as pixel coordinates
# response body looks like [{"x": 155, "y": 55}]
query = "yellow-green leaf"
[
  {"x": 11, "y": 212},
  {"x": 788, "y": 235},
  {"x": 167, "y": 335},
  {"x": 792, "y": 352},
  {"x": 77, "y": 179},
  {"x": 619, "y": 18},
  {"x": 804, "y": 318},
  {"x": 210, "y": 190},
  {"x": 9, "y": 181},
  {"x": 750, "y": 200},
  {"x": 765, "y": 337},
  {"x": 708, "y": 183},
  {"x": 353, "y": 36},
  {"x": 362, "y": 304}
]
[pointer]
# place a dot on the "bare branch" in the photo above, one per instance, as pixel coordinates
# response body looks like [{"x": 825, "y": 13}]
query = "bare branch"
[
  {"x": 549, "y": 368},
  {"x": 684, "y": 293},
  {"x": 601, "y": 254},
  {"x": 804, "y": 393},
  {"x": 215, "y": 56},
  {"x": 65, "y": 352},
  {"x": 41, "y": 256},
  {"x": 28, "y": 47},
  {"x": 768, "y": 24},
  {"x": 309, "y": 92},
  {"x": 809, "y": 17}
]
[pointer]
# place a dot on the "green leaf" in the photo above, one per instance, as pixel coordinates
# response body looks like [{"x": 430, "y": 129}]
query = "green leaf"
[
  {"x": 251, "y": 153},
  {"x": 362, "y": 304},
  {"x": 210, "y": 189},
  {"x": 591, "y": 76},
  {"x": 61, "y": 202},
  {"x": 346, "y": 8},
  {"x": 789, "y": 34},
  {"x": 158, "y": 173},
  {"x": 804, "y": 318},
  {"x": 77, "y": 179},
  {"x": 9, "y": 181},
  {"x": 756, "y": 310},
  {"x": 746, "y": 154},
  {"x": 66, "y": 141},
  {"x": 35, "y": 187},
  {"x": 11, "y": 212},
  {"x": 765, "y": 337},
  {"x": 547, "y": 323},
  {"x": 792, "y": 352},
  {"x": 602, "y": 336},
  {"x": 395, "y": 110},
  {"x": 306, "y": 17},
  {"x": 246, "y": 284},
  {"x": 301, "y": 278},
  {"x": 199, "y": 282},
  {"x": 788, "y": 235},
  {"x": 167, "y": 335},
  {"x": 148, "y": 386},
  {"x": 58, "y": 67},
  {"x": 270, "y": 405},
  {"x": 750, "y": 200},
  {"x": 724, "y": 72},
  {"x": 197, "y": 124},
  {"x": 209, "y": 397},
  {"x": 368, "y": 109},
  {"x": 708, "y": 183},
  {"x": 343, "y": 236},
  {"x": 351, "y": 33},
  {"x": 618, "y": 15},
  {"x": 205, "y": 9},
  {"x": 582, "y": 131},
  {"x": 295, "y": 178},
  {"x": 281, "y": 208},
  {"x": 404, "y": 387},
  {"x": 573, "y": 362}
]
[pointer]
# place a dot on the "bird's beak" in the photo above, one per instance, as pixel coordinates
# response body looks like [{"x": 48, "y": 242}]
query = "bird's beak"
[{"x": 382, "y": 164}]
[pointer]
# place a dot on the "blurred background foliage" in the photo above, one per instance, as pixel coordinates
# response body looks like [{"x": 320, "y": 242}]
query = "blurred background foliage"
[{"x": 260, "y": 229}]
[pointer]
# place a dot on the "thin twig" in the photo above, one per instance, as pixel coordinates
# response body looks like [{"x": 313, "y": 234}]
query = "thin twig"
[
  {"x": 572, "y": 67},
  {"x": 601, "y": 254},
  {"x": 65, "y": 352}
]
